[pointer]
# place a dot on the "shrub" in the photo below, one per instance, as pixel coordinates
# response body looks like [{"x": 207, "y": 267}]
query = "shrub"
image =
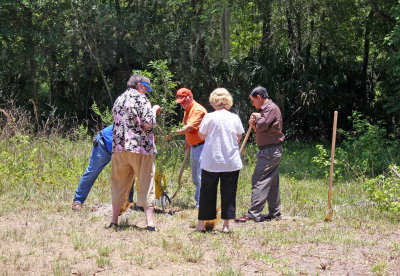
[
  {"x": 384, "y": 190},
  {"x": 322, "y": 162},
  {"x": 106, "y": 116},
  {"x": 368, "y": 149}
]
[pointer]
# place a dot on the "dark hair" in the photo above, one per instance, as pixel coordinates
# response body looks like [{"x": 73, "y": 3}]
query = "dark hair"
[
  {"x": 259, "y": 90},
  {"x": 135, "y": 79}
]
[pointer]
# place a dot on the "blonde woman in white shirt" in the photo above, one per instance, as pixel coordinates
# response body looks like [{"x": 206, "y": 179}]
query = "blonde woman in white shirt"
[{"x": 220, "y": 161}]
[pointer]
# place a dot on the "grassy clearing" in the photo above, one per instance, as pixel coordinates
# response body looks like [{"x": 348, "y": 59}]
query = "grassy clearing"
[{"x": 39, "y": 234}]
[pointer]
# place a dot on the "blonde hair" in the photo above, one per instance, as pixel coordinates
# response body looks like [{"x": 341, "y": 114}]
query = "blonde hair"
[{"x": 220, "y": 98}]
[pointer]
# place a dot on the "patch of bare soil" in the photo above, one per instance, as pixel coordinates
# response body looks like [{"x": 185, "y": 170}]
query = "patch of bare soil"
[{"x": 44, "y": 242}]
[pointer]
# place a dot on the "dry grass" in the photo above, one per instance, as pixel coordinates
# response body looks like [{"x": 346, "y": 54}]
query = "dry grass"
[{"x": 54, "y": 240}]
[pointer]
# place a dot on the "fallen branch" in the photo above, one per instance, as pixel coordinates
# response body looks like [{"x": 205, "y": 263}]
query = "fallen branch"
[
  {"x": 35, "y": 109},
  {"x": 380, "y": 13},
  {"x": 396, "y": 173},
  {"x": 6, "y": 114}
]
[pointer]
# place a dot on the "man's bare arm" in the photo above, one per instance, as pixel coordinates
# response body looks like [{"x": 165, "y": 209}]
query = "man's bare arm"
[{"x": 184, "y": 129}]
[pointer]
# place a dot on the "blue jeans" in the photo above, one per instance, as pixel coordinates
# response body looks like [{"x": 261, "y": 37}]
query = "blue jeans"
[
  {"x": 99, "y": 158},
  {"x": 195, "y": 155}
]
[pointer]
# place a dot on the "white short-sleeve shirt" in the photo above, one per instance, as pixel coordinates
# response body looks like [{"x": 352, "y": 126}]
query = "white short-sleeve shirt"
[{"x": 221, "y": 149}]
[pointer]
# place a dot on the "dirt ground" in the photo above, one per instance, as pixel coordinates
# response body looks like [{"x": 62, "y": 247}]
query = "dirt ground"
[{"x": 61, "y": 242}]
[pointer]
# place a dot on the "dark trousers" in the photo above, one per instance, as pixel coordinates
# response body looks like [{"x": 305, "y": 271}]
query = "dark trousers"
[
  {"x": 208, "y": 194},
  {"x": 265, "y": 184}
]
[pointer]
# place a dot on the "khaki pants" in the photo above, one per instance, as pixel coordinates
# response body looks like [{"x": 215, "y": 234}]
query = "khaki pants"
[{"x": 124, "y": 167}]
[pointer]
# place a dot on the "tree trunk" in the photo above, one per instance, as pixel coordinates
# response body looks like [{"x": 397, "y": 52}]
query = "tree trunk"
[
  {"x": 298, "y": 31},
  {"x": 321, "y": 39},
  {"x": 119, "y": 37},
  {"x": 363, "y": 97},
  {"x": 265, "y": 9},
  {"x": 30, "y": 43},
  {"x": 310, "y": 38},
  {"x": 225, "y": 36},
  {"x": 290, "y": 30}
]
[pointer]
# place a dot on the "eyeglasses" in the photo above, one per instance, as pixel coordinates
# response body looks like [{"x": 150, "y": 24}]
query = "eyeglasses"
[{"x": 148, "y": 88}]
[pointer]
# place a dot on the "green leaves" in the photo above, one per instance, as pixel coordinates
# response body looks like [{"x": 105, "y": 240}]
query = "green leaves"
[
  {"x": 106, "y": 116},
  {"x": 163, "y": 93},
  {"x": 312, "y": 56},
  {"x": 384, "y": 190}
]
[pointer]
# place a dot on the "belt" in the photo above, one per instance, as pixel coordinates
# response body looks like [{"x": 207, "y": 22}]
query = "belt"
[
  {"x": 199, "y": 144},
  {"x": 269, "y": 146}
]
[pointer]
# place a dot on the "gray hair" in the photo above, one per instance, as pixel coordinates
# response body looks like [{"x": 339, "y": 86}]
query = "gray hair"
[
  {"x": 135, "y": 79},
  {"x": 259, "y": 90}
]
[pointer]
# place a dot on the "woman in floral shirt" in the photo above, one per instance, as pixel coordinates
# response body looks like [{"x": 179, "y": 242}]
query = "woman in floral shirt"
[{"x": 133, "y": 148}]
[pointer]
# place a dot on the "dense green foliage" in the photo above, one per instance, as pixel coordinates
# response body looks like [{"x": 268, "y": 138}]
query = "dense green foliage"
[{"x": 313, "y": 56}]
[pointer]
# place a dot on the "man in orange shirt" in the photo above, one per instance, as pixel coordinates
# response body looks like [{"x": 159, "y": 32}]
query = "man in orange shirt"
[{"x": 194, "y": 113}]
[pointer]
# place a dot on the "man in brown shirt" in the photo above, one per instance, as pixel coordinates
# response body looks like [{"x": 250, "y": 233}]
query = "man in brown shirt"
[{"x": 269, "y": 137}]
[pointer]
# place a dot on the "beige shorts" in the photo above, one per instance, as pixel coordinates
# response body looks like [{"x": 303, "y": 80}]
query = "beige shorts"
[{"x": 124, "y": 167}]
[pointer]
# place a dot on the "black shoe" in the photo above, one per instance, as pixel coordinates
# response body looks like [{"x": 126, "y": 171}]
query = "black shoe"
[
  {"x": 152, "y": 228},
  {"x": 269, "y": 217}
]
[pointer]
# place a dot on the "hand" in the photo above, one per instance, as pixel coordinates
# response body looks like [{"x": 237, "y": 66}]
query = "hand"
[
  {"x": 255, "y": 115},
  {"x": 156, "y": 109},
  {"x": 253, "y": 118}
]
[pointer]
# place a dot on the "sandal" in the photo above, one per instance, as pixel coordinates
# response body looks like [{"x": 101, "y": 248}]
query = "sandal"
[{"x": 113, "y": 226}]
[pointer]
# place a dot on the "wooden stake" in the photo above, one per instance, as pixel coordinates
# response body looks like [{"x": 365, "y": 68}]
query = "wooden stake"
[{"x": 330, "y": 213}]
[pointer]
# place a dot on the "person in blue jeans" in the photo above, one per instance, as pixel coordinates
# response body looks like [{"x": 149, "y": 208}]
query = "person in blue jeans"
[
  {"x": 194, "y": 113},
  {"x": 99, "y": 158}
]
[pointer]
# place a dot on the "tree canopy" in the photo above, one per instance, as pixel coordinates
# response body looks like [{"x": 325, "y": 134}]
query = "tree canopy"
[{"x": 314, "y": 57}]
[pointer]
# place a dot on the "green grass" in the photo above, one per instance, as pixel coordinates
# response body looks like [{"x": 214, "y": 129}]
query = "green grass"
[
  {"x": 45, "y": 172},
  {"x": 37, "y": 170}
]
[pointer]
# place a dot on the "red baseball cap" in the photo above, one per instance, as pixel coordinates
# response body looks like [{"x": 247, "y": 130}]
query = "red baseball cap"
[{"x": 181, "y": 94}]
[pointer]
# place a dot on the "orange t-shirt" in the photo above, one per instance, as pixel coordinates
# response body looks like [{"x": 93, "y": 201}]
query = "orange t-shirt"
[{"x": 193, "y": 116}]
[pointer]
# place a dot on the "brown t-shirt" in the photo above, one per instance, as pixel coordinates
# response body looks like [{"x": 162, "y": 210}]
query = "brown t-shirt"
[
  {"x": 269, "y": 125},
  {"x": 193, "y": 116}
]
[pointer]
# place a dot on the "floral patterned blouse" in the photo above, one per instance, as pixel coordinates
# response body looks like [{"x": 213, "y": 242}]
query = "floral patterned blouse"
[{"x": 134, "y": 122}]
